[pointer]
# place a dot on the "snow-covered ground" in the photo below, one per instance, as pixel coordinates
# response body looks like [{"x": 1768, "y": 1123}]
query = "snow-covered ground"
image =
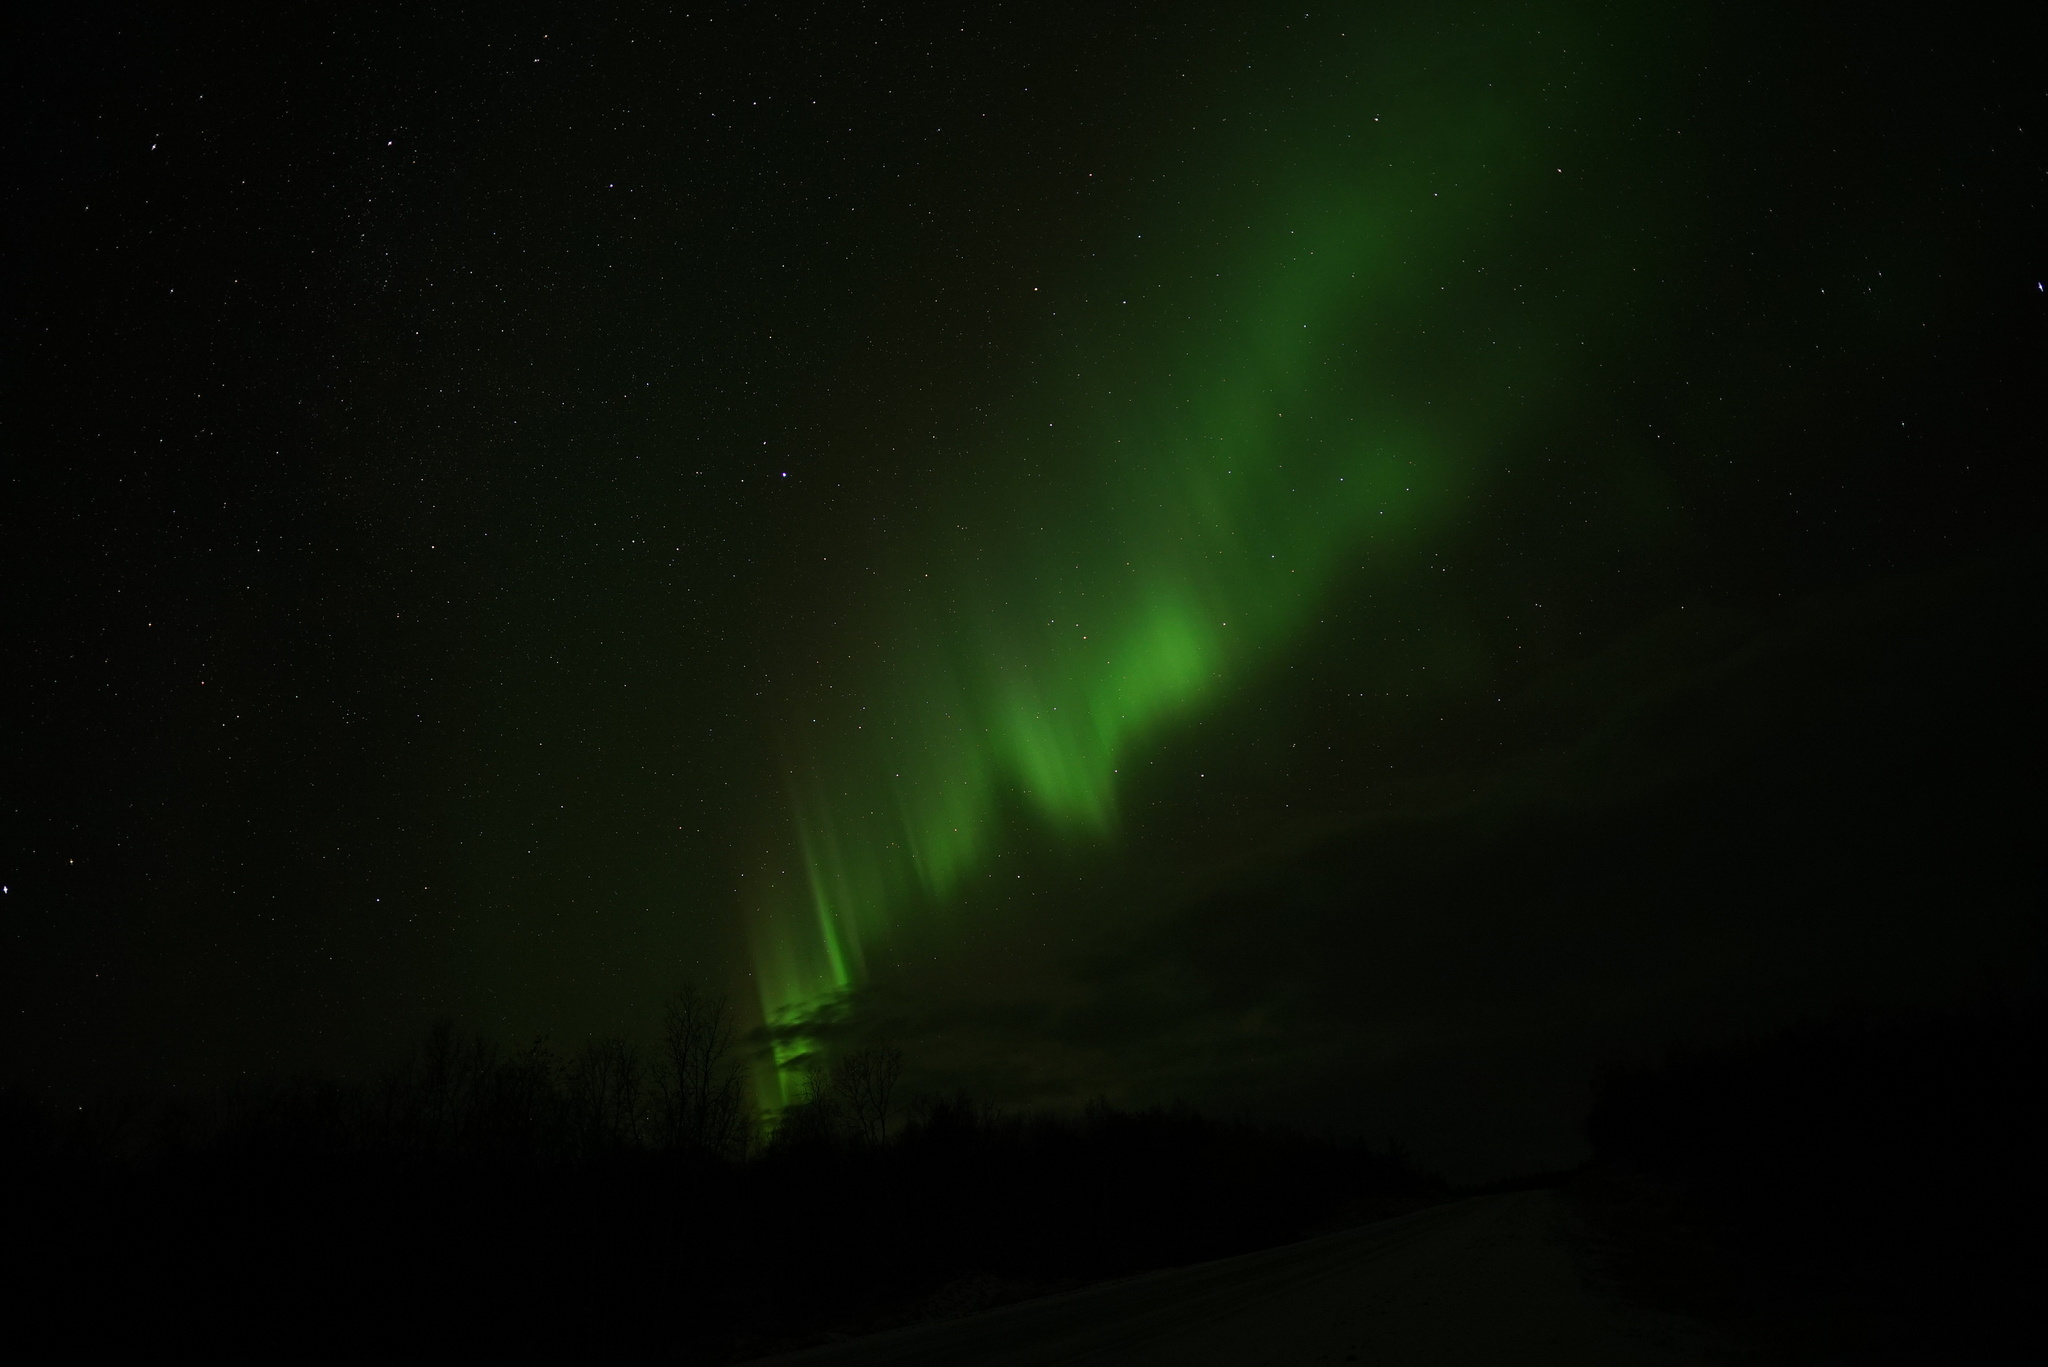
[{"x": 1488, "y": 1281}]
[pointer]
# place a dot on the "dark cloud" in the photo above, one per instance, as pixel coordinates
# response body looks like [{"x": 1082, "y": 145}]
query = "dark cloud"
[{"x": 1827, "y": 810}]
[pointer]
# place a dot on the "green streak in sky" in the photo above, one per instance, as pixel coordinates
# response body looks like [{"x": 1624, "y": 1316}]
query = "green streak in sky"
[{"x": 1291, "y": 383}]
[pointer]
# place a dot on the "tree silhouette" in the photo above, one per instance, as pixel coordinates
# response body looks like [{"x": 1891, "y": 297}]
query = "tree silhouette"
[
  {"x": 862, "y": 1087},
  {"x": 700, "y": 1092},
  {"x": 606, "y": 1091}
]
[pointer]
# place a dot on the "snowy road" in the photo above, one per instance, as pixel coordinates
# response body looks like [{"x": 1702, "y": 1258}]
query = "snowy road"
[{"x": 1490, "y": 1280}]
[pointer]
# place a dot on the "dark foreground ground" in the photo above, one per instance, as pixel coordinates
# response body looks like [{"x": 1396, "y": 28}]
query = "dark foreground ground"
[
  {"x": 1855, "y": 1191},
  {"x": 312, "y": 1217},
  {"x": 1859, "y": 1191},
  {"x": 1490, "y": 1280},
  {"x": 1604, "y": 1268}
]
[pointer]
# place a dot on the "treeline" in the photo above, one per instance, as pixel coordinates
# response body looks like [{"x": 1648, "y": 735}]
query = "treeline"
[
  {"x": 1865, "y": 1189},
  {"x": 460, "y": 1099},
  {"x": 621, "y": 1196}
]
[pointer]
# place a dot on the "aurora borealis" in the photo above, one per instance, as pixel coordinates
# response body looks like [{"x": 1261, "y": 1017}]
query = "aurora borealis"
[
  {"x": 1221, "y": 452},
  {"x": 1350, "y": 565}
]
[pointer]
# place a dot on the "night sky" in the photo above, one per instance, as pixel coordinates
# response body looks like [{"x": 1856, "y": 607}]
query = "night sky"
[{"x": 1347, "y": 566}]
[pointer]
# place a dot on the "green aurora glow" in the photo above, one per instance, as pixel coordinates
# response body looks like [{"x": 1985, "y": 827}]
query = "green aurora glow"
[{"x": 1301, "y": 378}]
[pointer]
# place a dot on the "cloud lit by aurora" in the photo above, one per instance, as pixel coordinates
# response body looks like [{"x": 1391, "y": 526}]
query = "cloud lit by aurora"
[{"x": 1306, "y": 355}]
